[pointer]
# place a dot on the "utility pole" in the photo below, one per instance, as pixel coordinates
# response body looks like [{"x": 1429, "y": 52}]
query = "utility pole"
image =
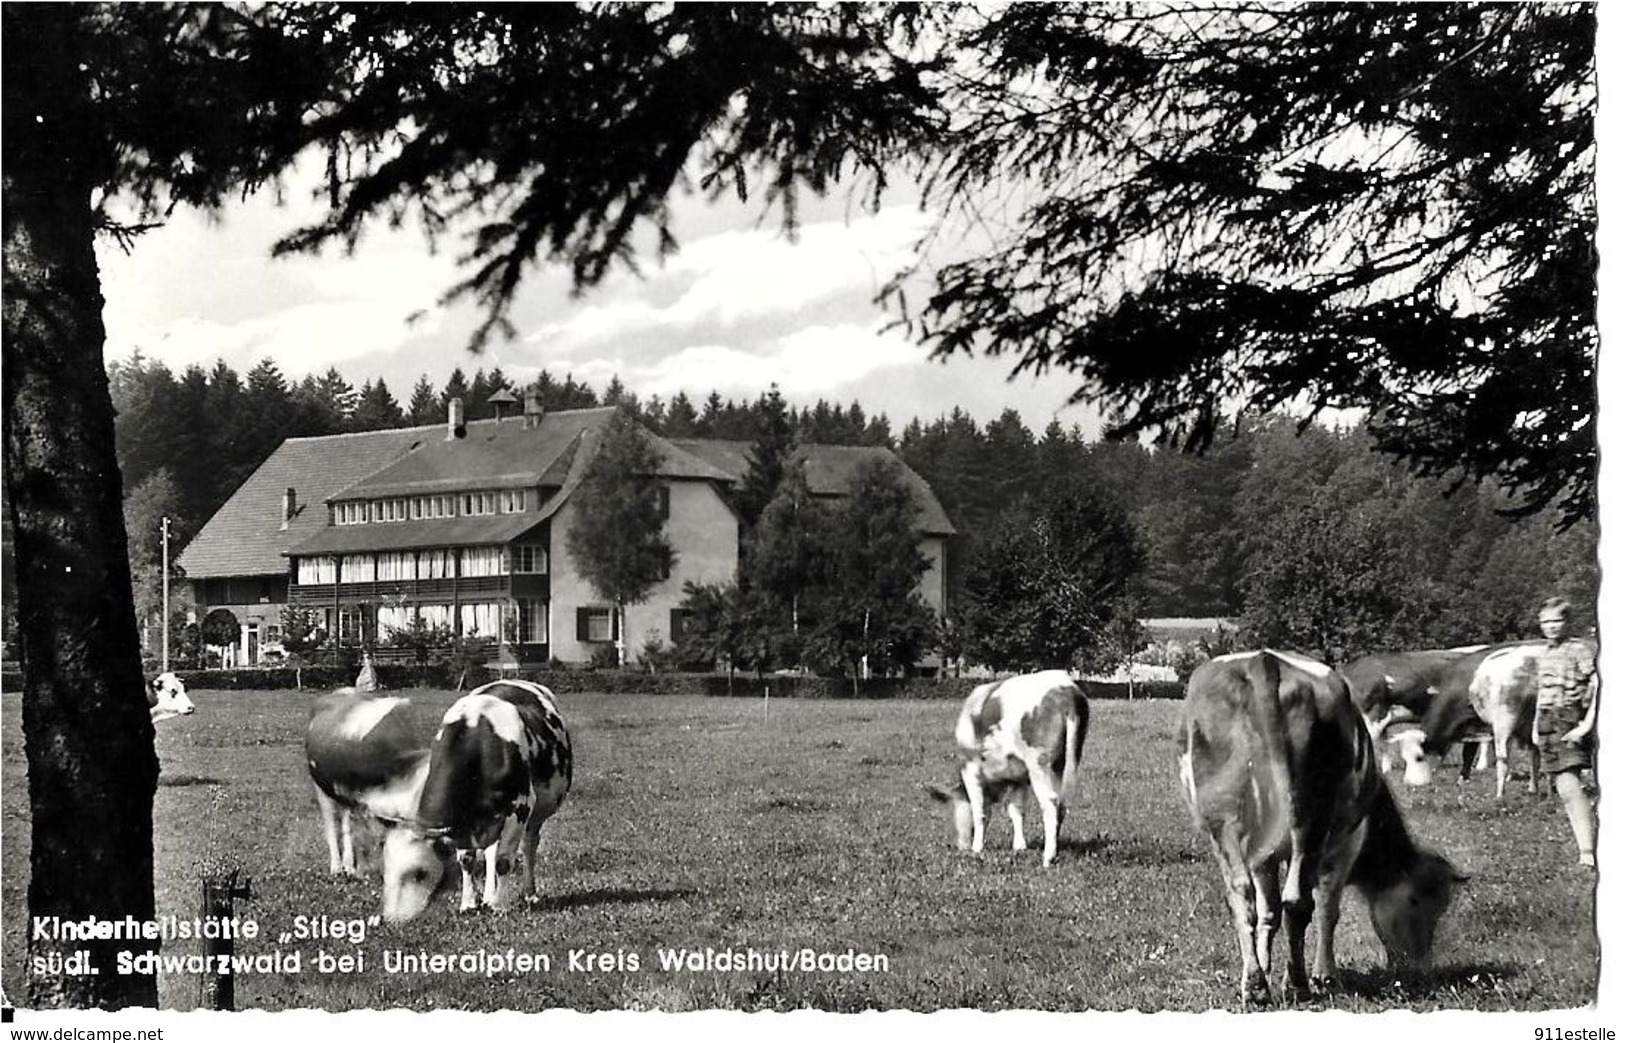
[{"x": 165, "y": 529}]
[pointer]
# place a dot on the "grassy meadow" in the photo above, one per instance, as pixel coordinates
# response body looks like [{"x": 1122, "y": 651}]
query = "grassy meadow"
[{"x": 740, "y": 824}]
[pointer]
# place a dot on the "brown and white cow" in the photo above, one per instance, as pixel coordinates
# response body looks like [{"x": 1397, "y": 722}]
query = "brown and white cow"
[
  {"x": 1489, "y": 694},
  {"x": 1278, "y": 769},
  {"x": 366, "y": 760},
  {"x": 1503, "y": 695},
  {"x": 500, "y": 766},
  {"x": 1500, "y": 696},
  {"x": 166, "y": 697},
  {"x": 1394, "y": 690},
  {"x": 1018, "y": 735}
]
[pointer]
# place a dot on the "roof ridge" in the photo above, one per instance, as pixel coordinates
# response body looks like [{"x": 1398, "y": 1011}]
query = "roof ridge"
[
  {"x": 360, "y": 434},
  {"x": 800, "y": 445},
  {"x": 483, "y": 421}
]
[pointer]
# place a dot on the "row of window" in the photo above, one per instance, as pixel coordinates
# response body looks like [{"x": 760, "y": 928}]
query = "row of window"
[
  {"x": 524, "y": 618},
  {"x": 439, "y": 563},
  {"x": 447, "y": 505}
]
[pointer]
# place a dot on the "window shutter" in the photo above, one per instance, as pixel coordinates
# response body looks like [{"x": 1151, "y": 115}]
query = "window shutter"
[{"x": 583, "y": 615}]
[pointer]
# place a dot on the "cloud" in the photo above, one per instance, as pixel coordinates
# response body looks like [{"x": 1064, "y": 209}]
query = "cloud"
[
  {"x": 810, "y": 361},
  {"x": 301, "y": 338},
  {"x": 196, "y": 291},
  {"x": 746, "y": 276}
]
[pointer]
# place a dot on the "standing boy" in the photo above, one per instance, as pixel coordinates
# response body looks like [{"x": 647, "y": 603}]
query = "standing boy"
[{"x": 1565, "y": 714}]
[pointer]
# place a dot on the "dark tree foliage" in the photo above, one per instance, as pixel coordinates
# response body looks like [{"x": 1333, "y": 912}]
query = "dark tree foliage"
[
  {"x": 479, "y": 389},
  {"x": 785, "y": 561},
  {"x": 376, "y": 409},
  {"x": 1047, "y": 582},
  {"x": 1388, "y": 207},
  {"x": 424, "y": 408},
  {"x": 1346, "y": 554},
  {"x": 867, "y": 609},
  {"x": 566, "y": 395},
  {"x": 143, "y": 393},
  {"x": 727, "y": 625},
  {"x": 456, "y": 387},
  {"x": 145, "y": 508},
  {"x": 1193, "y": 526},
  {"x": 770, "y": 455},
  {"x": 328, "y": 402},
  {"x": 681, "y": 420}
]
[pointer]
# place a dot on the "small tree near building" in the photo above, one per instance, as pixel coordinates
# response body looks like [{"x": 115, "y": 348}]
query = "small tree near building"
[
  {"x": 302, "y": 637},
  {"x": 870, "y": 617},
  {"x": 786, "y": 559},
  {"x": 221, "y": 630},
  {"x": 1122, "y": 637},
  {"x": 724, "y": 624},
  {"x": 771, "y": 458},
  {"x": 1046, "y": 581},
  {"x": 617, "y": 539}
]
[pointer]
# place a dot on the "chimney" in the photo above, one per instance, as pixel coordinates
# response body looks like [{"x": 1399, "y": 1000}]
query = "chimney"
[
  {"x": 455, "y": 427},
  {"x": 533, "y": 409},
  {"x": 290, "y": 506},
  {"x": 500, "y": 401}
]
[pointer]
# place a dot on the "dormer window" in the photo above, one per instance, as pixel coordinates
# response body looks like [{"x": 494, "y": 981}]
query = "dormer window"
[
  {"x": 479, "y": 503},
  {"x": 433, "y": 507},
  {"x": 389, "y": 510}
]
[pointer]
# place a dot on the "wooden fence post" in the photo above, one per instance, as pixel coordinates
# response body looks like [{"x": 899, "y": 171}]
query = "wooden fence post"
[{"x": 221, "y": 890}]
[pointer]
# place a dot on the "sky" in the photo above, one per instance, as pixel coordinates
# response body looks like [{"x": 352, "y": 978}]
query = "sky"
[{"x": 739, "y": 308}]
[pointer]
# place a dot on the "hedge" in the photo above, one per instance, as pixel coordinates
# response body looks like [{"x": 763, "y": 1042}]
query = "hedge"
[{"x": 634, "y": 682}]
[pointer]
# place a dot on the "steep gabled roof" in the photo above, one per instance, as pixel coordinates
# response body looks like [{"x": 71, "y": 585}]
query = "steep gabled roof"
[
  {"x": 492, "y": 454},
  {"x": 245, "y": 537},
  {"x": 830, "y": 471}
]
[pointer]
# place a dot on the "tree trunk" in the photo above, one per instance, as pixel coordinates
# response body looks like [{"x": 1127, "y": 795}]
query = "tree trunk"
[
  {"x": 620, "y": 634},
  {"x": 87, "y": 735}
]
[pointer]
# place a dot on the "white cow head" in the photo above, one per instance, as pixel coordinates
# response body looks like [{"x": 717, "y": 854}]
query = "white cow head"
[
  {"x": 1407, "y": 744},
  {"x": 958, "y": 802},
  {"x": 414, "y": 867},
  {"x": 166, "y": 697}
]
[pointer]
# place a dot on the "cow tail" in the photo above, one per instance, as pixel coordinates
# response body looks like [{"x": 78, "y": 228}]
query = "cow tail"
[
  {"x": 1269, "y": 765},
  {"x": 1077, "y": 729}
]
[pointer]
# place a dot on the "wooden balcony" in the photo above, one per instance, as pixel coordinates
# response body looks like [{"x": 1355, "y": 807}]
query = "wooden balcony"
[{"x": 448, "y": 591}]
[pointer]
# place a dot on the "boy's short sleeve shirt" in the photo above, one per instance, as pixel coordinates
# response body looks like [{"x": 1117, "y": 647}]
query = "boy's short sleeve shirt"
[{"x": 1564, "y": 674}]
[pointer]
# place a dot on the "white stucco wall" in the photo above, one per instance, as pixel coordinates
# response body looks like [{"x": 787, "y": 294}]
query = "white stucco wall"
[{"x": 705, "y": 535}]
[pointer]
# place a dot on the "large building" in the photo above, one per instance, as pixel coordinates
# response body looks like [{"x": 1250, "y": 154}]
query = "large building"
[{"x": 463, "y": 526}]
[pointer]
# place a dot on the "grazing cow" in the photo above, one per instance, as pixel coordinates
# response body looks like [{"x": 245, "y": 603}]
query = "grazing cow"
[
  {"x": 1488, "y": 694},
  {"x": 1279, "y": 770},
  {"x": 1393, "y": 691},
  {"x": 365, "y": 759},
  {"x": 1025, "y": 733},
  {"x": 166, "y": 698},
  {"x": 1500, "y": 695},
  {"x": 500, "y": 766}
]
